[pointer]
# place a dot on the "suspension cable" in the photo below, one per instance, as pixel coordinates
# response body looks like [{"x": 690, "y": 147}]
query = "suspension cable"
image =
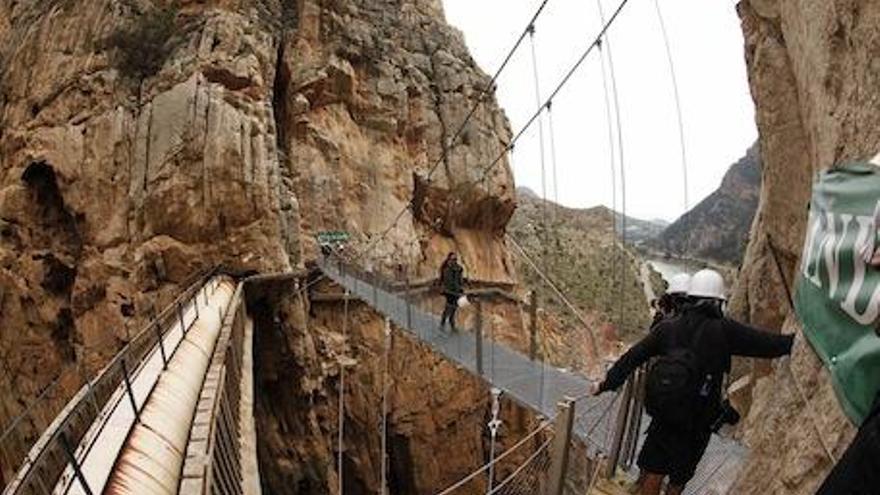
[
  {"x": 491, "y": 165},
  {"x": 681, "y": 139},
  {"x": 545, "y": 425},
  {"x": 544, "y": 207},
  {"x": 384, "y": 442},
  {"x": 446, "y": 148},
  {"x": 489, "y": 88},
  {"x": 620, "y": 148},
  {"x": 539, "y": 105},
  {"x": 616, "y": 258},
  {"x": 540, "y": 450},
  {"x": 525, "y": 256},
  {"x": 786, "y": 362},
  {"x": 552, "y": 130},
  {"x": 341, "y": 426}
]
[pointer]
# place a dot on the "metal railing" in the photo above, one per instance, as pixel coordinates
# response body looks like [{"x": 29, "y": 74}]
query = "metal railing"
[
  {"x": 36, "y": 468},
  {"x": 213, "y": 463}
]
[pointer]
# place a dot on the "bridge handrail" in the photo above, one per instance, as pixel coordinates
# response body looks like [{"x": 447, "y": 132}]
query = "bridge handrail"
[
  {"x": 40, "y": 465},
  {"x": 482, "y": 288}
]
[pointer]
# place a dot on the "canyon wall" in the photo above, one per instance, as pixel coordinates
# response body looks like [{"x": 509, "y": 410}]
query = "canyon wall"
[
  {"x": 142, "y": 142},
  {"x": 813, "y": 73}
]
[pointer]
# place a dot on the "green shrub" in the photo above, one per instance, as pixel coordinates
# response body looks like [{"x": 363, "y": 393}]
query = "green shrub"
[{"x": 142, "y": 48}]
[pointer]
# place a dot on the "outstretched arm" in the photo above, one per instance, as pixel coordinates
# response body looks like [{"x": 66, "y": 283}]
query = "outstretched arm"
[
  {"x": 646, "y": 348},
  {"x": 751, "y": 342}
]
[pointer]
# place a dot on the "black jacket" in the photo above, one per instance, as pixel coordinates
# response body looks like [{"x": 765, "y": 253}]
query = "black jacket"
[
  {"x": 452, "y": 278},
  {"x": 713, "y": 339}
]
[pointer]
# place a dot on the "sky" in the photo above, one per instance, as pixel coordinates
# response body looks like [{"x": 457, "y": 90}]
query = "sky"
[{"x": 707, "y": 53}]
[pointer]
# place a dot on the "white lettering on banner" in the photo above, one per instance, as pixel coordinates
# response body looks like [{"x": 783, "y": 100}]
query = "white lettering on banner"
[
  {"x": 807, "y": 265},
  {"x": 872, "y": 309},
  {"x": 827, "y": 237}
]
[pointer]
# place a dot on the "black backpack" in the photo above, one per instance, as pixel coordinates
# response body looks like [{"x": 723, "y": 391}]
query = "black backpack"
[{"x": 672, "y": 388}]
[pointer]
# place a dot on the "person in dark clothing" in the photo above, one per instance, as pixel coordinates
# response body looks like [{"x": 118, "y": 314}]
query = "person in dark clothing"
[
  {"x": 673, "y": 301},
  {"x": 452, "y": 285},
  {"x": 675, "y": 449},
  {"x": 858, "y": 471}
]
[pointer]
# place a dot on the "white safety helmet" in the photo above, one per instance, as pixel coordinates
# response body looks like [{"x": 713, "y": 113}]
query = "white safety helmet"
[
  {"x": 707, "y": 284},
  {"x": 679, "y": 284}
]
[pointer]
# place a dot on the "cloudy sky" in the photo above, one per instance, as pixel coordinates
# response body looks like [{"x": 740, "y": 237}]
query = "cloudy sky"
[{"x": 707, "y": 51}]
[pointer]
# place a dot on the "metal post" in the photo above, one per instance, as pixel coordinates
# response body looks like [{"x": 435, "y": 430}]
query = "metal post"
[
  {"x": 494, "y": 426},
  {"x": 137, "y": 414},
  {"x": 68, "y": 450},
  {"x": 619, "y": 430},
  {"x": 533, "y": 325},
  {"x": 161, "y": 346},
  {"x": 561, "y": 446},
  {"x": 408, "y": 303},
  {"x": 478, "y": 333},
  {"x": 635, "y": 422},
  {"x": 180, "y": 316}
]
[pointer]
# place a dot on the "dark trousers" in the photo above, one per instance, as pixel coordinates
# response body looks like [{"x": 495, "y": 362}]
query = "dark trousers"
[
  {"x": 858, "y": 471},
  {"x": 449, "y": 311}
]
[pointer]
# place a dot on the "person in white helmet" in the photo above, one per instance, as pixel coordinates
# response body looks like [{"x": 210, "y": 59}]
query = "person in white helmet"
[
  {"x": 674, "y": 300},
  {"x": 683, "y": 391}
]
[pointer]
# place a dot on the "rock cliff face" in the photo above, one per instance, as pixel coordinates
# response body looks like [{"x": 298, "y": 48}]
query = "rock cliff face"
[
  {"x": 813, "y": 75},
  {"x": 717, "y": 228},
  {"x": 128, "y": 160}
]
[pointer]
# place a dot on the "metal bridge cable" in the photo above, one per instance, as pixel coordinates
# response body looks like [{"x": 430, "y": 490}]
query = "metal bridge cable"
[
  {"x": 499, "y": 458},
  {"x": 684, "y": 164},
  {"x": 384, "y": 440},
  {"x": 525, "y": 256},
  {"x": 489, "y": 88},
  {"x": 786, "y": 362},
  {"x": 615, "y": 259},
  {"x": 553, "y": 162},
  {"x": 544, "y": 205},
  {"x": 540, "y": 450},
  {"x": 341, "y": 412},
  {"x": 531, "y": 120},
  {"x": 620, "y": 148},
  {"x": 540, "y": 106}
]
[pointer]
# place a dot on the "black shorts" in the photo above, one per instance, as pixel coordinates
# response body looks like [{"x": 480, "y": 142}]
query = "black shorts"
[{"x": 673, "y": 452}]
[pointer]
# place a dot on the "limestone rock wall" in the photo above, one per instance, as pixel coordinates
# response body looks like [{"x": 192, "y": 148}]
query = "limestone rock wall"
[
  {"x": 813, "y": 75},
  {"x": 266, "y": 122}
]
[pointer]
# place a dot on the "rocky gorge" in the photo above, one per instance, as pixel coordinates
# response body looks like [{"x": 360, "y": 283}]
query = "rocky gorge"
[{"x": 142, "y": 142}]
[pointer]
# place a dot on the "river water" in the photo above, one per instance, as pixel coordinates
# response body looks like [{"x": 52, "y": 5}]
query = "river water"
[{"x": 668, "y": 268}]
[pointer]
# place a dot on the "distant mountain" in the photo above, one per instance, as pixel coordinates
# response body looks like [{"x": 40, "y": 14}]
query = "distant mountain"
[
  {"x": 718, "y": 227},
  {"x": 578, "y": 251}
]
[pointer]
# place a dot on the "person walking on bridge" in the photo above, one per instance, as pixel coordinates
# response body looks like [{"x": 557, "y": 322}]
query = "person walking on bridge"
[
  {"x": 674, "y": 300},
  {"x": 452, "y": 284},
  {"x": 684, "y": 383}
]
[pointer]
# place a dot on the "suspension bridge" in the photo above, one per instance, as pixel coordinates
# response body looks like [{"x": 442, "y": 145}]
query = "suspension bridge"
[{"x": 172, "y": 412}]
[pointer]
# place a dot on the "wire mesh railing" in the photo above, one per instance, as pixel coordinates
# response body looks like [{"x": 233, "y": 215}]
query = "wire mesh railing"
[
  {"x": 33, "y": 467},
  {"x": 608, "y": 429},
  {"x": 516, "y": 467}
]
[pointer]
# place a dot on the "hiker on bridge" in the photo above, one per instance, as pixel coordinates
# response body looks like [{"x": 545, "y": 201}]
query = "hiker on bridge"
[
  {"x": 684, "y": 383},
  {"x": 452, "y": 285},
  {"x": 674, "y": 300}
]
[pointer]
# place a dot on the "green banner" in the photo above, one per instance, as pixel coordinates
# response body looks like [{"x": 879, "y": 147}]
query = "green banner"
[
  {"x": 333, "y": 237},
  {"x": 838, "y": 294}
]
